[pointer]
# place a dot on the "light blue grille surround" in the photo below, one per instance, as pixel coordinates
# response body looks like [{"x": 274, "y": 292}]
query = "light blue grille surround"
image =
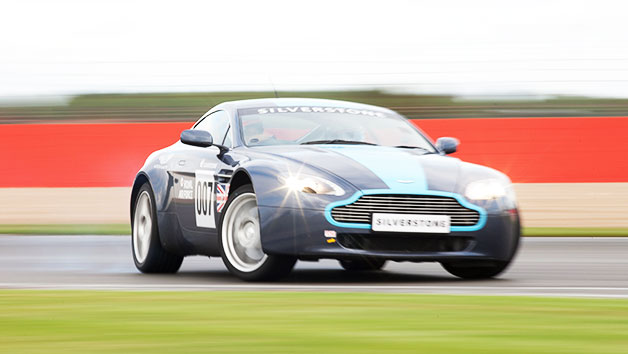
[{"x": 479, "y": 225}]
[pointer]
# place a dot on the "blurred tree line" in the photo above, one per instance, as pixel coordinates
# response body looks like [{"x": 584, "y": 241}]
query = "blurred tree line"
[{"x": 155, "y": 107}]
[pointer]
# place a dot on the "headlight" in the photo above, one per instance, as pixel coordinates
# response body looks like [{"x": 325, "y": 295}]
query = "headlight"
[
  {"x": 488, "y": 189},
  {"x": 312, "y": 185}
]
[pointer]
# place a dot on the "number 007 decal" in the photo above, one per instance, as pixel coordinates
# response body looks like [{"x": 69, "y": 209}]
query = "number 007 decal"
[{"x": 204, "y": 199}]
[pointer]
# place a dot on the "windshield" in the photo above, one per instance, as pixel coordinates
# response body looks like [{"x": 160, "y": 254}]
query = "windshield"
[{"x": 263, "y": 126}]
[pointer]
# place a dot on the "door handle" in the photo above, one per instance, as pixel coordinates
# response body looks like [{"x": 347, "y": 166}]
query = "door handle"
[{"x": 181, "y": 162}]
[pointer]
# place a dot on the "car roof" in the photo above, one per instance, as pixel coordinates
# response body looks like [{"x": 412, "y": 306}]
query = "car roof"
[{"x": 294, "y": 101}]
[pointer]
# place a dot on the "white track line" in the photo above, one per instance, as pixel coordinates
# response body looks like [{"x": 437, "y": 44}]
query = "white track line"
[
  {"x": 301, "y": 286},
  {"x": 604, "y": 292}
]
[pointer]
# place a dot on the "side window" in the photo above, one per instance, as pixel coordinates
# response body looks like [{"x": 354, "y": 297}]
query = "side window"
[{"x": 217, "y": 124}]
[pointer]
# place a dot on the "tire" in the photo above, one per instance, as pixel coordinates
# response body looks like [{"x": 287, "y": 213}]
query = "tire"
[
  {"x": 483, "y": 270},
  {"x": 361, "y": 265},
  {"x": 148, "y": 254},
  {"x": 240, "y": 241}
]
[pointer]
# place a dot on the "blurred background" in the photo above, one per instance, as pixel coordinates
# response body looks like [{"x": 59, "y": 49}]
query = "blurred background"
[{"x": 536, "y": 89}]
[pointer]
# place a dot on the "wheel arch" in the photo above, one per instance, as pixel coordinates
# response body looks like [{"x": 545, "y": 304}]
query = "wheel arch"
[
  {"x": 263, "y": 180},
  {"x": 140, "y": 180},
  {"x": 240, "y": 178}
]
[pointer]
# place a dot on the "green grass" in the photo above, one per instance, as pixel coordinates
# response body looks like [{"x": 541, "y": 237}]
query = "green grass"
[
  {"x": 575, "y": 231},
  {"x": 66, "y": 229},
  {"x": 125, "y": 229},
  {"x": 284, "y": 322}
]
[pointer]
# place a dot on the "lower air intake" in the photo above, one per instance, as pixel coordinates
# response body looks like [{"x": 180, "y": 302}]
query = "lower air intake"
[{"x": 383, "y": 242}]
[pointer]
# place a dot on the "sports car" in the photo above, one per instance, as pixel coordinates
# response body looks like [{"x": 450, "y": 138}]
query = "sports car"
[{"x": 263, "y": 183}]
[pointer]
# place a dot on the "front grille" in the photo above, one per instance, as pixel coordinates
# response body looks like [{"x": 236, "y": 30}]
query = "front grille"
[
  {"x": 393, "y": 242},
  {"x": 362, "y": 209}
]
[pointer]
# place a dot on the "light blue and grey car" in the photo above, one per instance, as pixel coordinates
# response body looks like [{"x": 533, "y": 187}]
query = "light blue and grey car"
[{"x": 264, "y": 183}]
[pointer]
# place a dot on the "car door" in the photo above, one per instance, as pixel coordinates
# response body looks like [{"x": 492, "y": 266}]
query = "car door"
[{"x": 195, "y": 180}]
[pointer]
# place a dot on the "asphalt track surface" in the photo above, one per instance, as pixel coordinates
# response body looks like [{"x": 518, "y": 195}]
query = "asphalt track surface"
[{"x": 574, "y": 267}]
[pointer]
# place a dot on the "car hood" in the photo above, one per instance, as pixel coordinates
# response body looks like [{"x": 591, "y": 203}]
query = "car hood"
[{"x": 385, "y": 169}]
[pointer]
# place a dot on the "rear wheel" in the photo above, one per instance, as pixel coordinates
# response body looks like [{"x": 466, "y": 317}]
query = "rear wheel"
[
  {"x": 241, "y": 243},
  {"x": 148, "y": 254},
  {"x": 365, "y": 264}
]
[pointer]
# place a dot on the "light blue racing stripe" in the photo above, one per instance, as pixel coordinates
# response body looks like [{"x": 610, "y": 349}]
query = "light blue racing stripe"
[
  {"x": 396, "y": 170},
  {"x": 402, "y": 172}
]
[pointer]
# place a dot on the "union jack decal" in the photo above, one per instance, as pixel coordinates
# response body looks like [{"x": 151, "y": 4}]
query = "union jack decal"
[{"x": 222, "y": 194}]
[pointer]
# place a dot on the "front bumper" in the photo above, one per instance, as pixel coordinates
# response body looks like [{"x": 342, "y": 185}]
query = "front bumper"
[{"x": 302, "y": 233}]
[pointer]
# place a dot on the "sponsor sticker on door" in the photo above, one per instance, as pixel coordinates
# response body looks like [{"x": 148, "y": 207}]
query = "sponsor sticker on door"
[
  {"x": 411, "y": 223},
  {"x": 204, "y": 199}
]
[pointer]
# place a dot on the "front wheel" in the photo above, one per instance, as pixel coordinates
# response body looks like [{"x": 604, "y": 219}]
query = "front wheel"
[
  {"x": 476, "y": 270},
  {"x": 483, "y": 269},
  {"x": 241, "y": 243}
]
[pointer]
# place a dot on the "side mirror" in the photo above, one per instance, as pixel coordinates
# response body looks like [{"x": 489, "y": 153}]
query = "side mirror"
[
  {"x": 194, "y": 137},
  {"x": 447, "y": 145}
]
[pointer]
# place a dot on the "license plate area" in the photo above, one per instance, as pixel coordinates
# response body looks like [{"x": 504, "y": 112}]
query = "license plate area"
[{"x": 415, "y": 223}]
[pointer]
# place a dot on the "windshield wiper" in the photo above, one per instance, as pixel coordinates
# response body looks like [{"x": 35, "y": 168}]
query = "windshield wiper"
[
  {"x": 414, "y": 147},
  {"x": 336, "y": 141}
]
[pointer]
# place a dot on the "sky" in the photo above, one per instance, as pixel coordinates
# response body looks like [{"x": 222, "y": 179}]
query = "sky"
[{"x": 467, "y": 48}]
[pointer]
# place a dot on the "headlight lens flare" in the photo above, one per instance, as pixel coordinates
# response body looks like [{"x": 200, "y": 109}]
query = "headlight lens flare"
[
  {"x": 488, "y": 189},
  {"x": 312, "y": 185}
]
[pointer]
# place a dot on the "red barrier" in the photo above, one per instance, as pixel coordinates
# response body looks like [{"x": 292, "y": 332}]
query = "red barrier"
[
  {"x": 533, "y": 150},
  {"x": 527, "y": 149},
  {"x": 79, "y": 155}
]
